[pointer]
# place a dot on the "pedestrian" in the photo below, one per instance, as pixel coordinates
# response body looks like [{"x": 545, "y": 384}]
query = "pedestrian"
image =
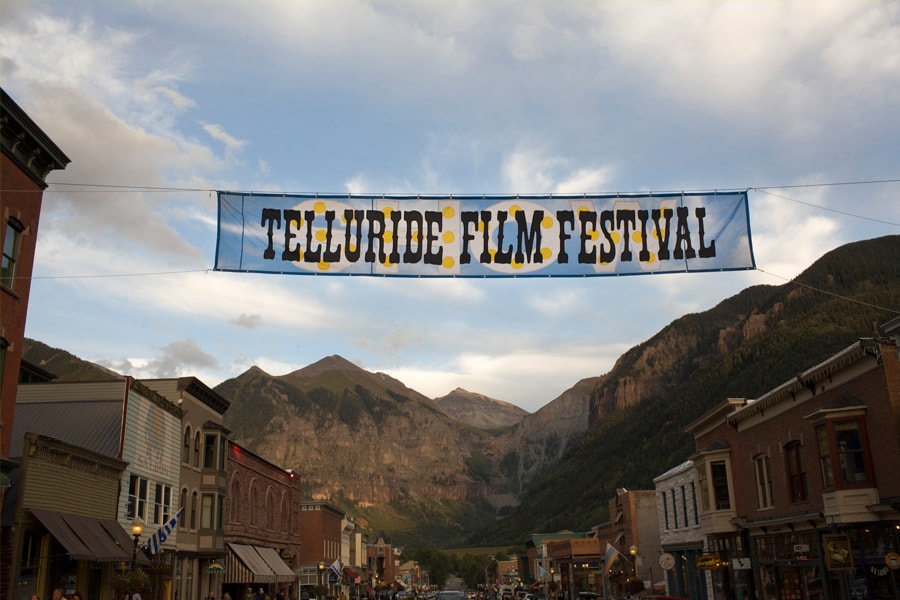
[
  {"x": 248, "y": 595},
  {"x": 260, "y": 594},
  {"x": 135, "y": 595},
  {"x": 58, "y": 594},
  {"x": 77, "y": 596}
]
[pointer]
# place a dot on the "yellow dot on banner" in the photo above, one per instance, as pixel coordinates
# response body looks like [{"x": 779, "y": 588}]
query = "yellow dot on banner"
[
  {"x": 321, "y": 235},
  {"x": 351, "y": 247},
  {"x": 595, "y": 235},
  {"x": 602, "y": 262},
  {"x": 655, "y": 233},
  {"x": 387, "y": 263},
  {"x": 448, "y": 237},
  {"x": 546, "y": 253},
  {"x": 547, "y": 222},
  {"x": 581, "y": 209},
  {"x": 492, "y": 252},
  {"x": 652, "y": 258},
  {"x": 387, "y": 210},
  {"x": 616, "y": 237},
  {"x": 416, "y": 235},
  {"x": 448, "y": 262},
  {"x": 388, "y": 236},
  {"x": 480, "y": 225},
  {"x": 449, "y": 212},
  {"x": 636, "y": 237},
  {"x": 516, "y": 265},
  {"x": 324, "y": 266},
  {"x": 319, "y": 207}
]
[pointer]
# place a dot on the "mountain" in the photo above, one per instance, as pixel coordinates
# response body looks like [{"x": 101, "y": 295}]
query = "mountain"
[
  {"x": 444, "y": 472},
  {"x": 64, "y": 365},
  {"x": 743, "y": 347},
  {"x": 479, "y": 410}
]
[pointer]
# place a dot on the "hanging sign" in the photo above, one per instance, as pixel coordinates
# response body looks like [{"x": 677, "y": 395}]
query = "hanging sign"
[
  {"x": 708, "y": 562},
  {"x": 483, "y": 236},
  {"x": 838, "y": 553}
]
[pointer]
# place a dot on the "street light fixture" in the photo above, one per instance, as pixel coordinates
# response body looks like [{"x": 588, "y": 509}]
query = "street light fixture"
[
  {"x": 633, "y": 552},
  {"x": 137, "y": 528}
]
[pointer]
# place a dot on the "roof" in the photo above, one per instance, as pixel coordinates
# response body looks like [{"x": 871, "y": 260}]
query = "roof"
[{"x": 92, "y": 424}]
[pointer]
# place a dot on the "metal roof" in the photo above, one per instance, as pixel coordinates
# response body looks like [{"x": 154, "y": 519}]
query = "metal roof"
[{"x": 92, "y": 424}]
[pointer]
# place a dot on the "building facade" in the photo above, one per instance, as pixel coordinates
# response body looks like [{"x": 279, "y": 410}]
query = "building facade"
[
  {"x": 682, "y": 542},
  {"x": 27, "y": 155},
  {"x": 262, "y": 526},
  {"x": 799, "y": 489},
  {"x": 196, "y": 552}
]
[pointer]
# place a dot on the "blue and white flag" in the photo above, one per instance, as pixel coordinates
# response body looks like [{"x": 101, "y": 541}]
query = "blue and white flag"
[
  {"x": 163, "y": 533},
  {"x": 336, "y": 567},
  {"x": 609, "y": 558}
]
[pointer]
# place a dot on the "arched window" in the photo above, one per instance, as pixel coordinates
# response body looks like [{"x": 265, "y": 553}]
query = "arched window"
[
  {"x": 235, "y": 497},
  {"x": 182, "y": 505},
  {"x": 796, "y": 471},
  {"x": 197, "y": 450},
  {"x": 186, "y": 449}
]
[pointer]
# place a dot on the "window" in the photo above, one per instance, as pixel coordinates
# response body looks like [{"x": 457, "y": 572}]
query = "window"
[
  {"x": 206, "y": 511},
  {"x": 4, "y": 345},
  {"x": 183, "y": 505},
  {"x": 674, "y": 509},
  {"x": 851, "y": 456},
  {"x": 694, "y": 503},
  {"x": 763, "y": 481},
  {"x": 235, "y": 497},
  {"x": 12, "y": 242},
  {"x": 704, "y": 487},
  {"x": 796, "y": 473},
  {"x": 209, "y": 450},
  {"x": 194, "y": 510},
  {"x": 197, "y": 450},
  {"x": 665, "y": 507},
  {"x": 162, "y": 507},
  {"x": 186, "y": 448},
  {"x": 138, "y": 489},
  {"x": 220, "y": 510},
  {"x": 684, "y": 506},
  {"x": 719, "y": 473},
  {"x": 825, "y": 457}
]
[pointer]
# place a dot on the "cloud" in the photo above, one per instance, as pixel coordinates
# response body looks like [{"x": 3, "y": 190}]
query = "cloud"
[{"x": 247, "y": 321}]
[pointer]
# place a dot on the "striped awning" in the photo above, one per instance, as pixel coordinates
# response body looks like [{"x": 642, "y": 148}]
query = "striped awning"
[
  {"x": 255, "y": 564},
  {"x": 283, "y": 573}
]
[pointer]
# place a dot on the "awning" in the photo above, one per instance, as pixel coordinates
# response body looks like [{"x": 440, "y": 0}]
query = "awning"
[
  {"x": 282, "y": 571},
  {"x": 245, "y": 565},
  {"x": 89, "y": 538}
]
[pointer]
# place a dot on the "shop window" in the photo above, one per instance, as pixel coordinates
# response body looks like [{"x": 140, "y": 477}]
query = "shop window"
[
  {"x": 796, "y": 473},
  {"x": 763, "y": 481}
]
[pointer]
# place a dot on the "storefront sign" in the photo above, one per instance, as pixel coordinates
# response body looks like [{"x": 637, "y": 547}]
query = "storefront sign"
[
  {"x": 801, "y": 552},
  {"x": 892, "y": 560},
  {"x": 215, "y": 567},
  {"x": 838, "y": 554},
  {"x": 708, "y": 562}
]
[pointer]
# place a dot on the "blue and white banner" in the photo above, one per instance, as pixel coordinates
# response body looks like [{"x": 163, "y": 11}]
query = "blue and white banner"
[
  {"x": 484, "y": 236},
  {"x": 163, "y": 533},
  {"x": 609, "y": 558}
]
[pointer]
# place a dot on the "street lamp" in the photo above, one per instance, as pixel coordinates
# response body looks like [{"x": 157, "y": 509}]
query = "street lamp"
[
  {"x": 633, "y": 552},
  {"x": 137, "y": 527}
]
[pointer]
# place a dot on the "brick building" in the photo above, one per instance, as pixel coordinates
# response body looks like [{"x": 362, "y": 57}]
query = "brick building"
[
  {"x": 799, "y": 489},
  {"x": 28, "y": 155},
  {"x": 262, "y": 526}
]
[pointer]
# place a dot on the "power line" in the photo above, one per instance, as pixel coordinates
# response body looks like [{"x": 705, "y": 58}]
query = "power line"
[
  {"x": 834, "y": 210},
  {"x": 821, "y": 291}
]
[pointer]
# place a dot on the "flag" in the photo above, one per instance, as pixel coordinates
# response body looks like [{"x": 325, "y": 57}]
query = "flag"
[
  {"x": 336, "y": 567},
  {"x": 541, "y": 571},
  {"x": 609, "y": 558},
  {"x": 163, "y": 533}
]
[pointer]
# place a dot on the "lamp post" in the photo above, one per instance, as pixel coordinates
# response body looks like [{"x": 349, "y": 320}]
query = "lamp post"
[
  {"x": 633, "y": 552},
  {"x": 137, "y": 527},
  {"x": 319, "y": 582}
]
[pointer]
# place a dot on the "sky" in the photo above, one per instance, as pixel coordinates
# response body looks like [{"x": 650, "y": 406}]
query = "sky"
[{"x": 160, "y": 104}]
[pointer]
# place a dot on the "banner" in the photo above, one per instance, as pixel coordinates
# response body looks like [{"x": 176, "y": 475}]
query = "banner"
[{"x": 483, "y": 236}]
